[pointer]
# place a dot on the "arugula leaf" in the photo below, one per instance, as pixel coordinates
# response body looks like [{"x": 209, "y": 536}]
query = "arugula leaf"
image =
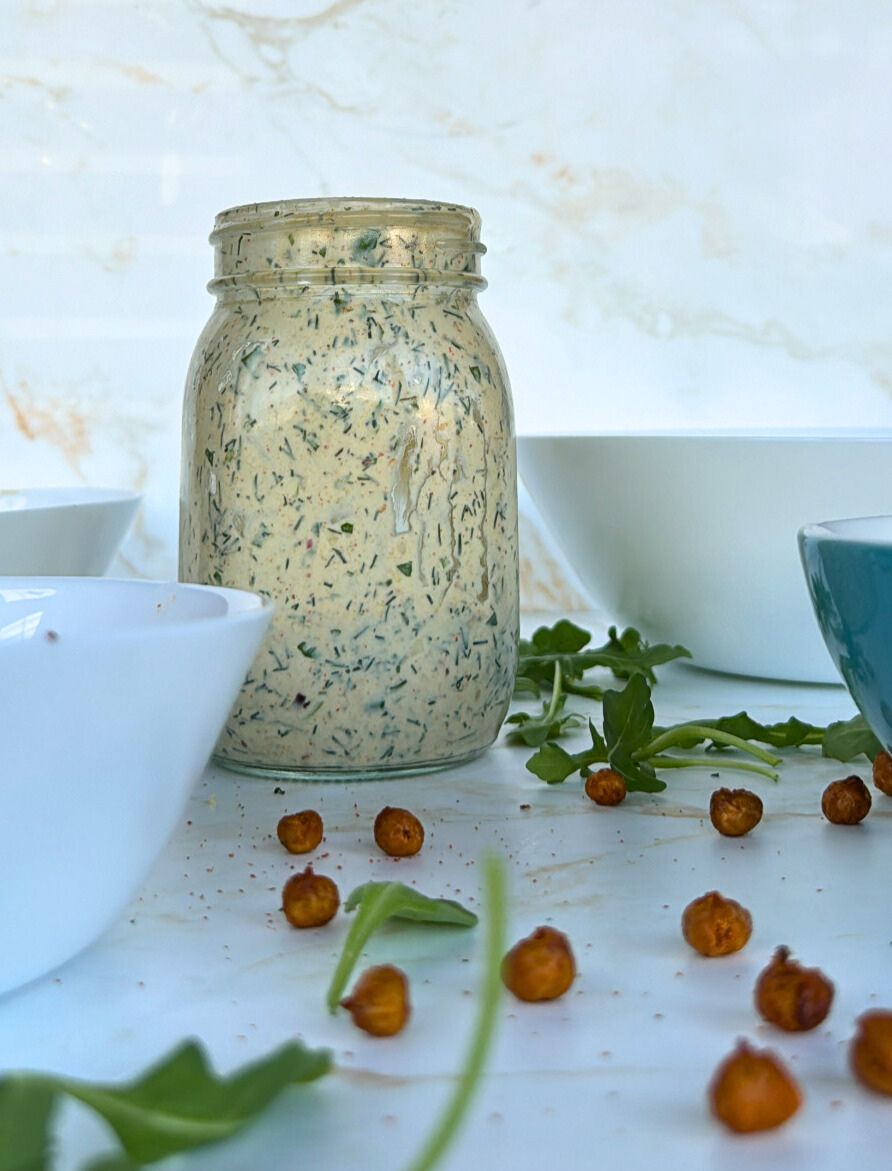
[
  {"x": 481, "y": 1038},
  {"x": 628, "y": 724},
  {"x": 377, "y": 902},
  {"x": 26, "y": 1108},
  {"x": 792, "y": 733},
  {"x": 179, "y": 1104},
  {"x": 628, "y": 654},
  {"x": 535, "y": 730},
  {"x": 846, "y": 739},
  {"x": 624, "y": 654},
  {"x": 553, "y": 764}
]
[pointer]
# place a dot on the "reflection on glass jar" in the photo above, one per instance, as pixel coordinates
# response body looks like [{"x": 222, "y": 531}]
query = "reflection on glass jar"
[{"x": 348, "y": 450}]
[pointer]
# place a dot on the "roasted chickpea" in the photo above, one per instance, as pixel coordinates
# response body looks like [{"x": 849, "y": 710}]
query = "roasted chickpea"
[
  {"x": 734, "y": 812},
  {"x": 310, "y": 900},
  {"x": 398, "y": 832},
  {"x": 882, "y": 772},
  {"x": 870, "y": 1053},
  {"x": 379, "y": 1003},
  {"x": 716, "y": 926},
  {"x": 752, "y": 1090},
  {"x": 846, "y": 802},
  {"x": 540, "y": 967},
  {"x": 790, "y": 996},
  {"x": 605, "y": 787},
  {"x": 300, "y": 832}
]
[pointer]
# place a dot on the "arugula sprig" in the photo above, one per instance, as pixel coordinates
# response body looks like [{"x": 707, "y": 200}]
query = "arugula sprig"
[
  {"x": 177, "y": 1105},
  {"x": 636, "y": 748},
  {"x": 555, "y": 660}
]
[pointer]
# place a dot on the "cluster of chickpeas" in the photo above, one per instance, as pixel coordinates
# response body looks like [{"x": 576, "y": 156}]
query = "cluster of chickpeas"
[
  {"x": 540, "y": 967},
  {"x": 379, "y": 1003},
  {"x": 752, "y": 1089}
]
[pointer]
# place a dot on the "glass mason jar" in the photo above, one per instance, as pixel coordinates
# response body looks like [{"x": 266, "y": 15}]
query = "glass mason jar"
[{"x": 348, "y": 451}]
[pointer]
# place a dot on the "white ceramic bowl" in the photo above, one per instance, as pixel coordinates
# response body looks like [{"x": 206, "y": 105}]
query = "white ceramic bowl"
[
  {"x": 692, "y": 537},
  {"x": 113, "y": 694},
  {"x": 64, "y": 531}
]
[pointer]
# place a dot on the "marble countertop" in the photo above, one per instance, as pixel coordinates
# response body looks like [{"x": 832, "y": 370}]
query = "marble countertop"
[{"x": 616, "y": 1070}]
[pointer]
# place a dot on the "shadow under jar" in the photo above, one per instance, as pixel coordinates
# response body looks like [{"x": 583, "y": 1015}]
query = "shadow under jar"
[{"x": 348, "y": 451}]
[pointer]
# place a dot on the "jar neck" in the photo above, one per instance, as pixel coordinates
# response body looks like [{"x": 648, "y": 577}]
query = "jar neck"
[{"x": 325, "y": 242}]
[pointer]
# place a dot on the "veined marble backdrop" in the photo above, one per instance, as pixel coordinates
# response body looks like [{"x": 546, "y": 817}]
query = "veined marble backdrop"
[{"x": 685, "y": 202}]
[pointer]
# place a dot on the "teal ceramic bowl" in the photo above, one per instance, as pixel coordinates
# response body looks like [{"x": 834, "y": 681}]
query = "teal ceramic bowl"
[{"x": 848, "y": 567}]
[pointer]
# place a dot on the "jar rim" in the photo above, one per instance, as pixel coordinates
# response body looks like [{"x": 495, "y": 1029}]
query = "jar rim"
[{"x": 357, "y": 211}]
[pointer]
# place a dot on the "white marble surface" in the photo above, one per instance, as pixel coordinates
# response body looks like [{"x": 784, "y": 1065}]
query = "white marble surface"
[
  {"x": 615, "y": 1072},
  {"x": 685, "y": 203}
]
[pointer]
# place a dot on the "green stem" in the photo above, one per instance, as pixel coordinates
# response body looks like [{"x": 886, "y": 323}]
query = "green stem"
[
  {"x": 672, "y": 736},
  {"x": 712, "y": 763},
  {"x": 554, "y": 705},
  {"x": 591, "y": 692},
  {"x": 490, "y": 994}
]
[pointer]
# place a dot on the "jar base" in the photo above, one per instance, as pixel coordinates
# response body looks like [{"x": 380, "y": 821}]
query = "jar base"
[{"x": 335, "y": 775}]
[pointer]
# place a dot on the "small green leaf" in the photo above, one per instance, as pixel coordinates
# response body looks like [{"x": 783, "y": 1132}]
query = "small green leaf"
[
  {"x": 628, "y": 716},
  {"x": 405, "y": 568},
  {"x": 346, "y": 527},
  {"x": 376, "y": 903},
  {"x": 308, "y": 652},
  {"x": 846, "y": 739},
  {"x": 209, "y": 456},
  {"x": 553, "y": 764},
  {"x": 475, "y": 373}
]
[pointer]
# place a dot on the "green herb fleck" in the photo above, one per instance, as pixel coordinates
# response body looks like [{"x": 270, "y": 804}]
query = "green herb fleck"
[
  {"x": 365, "y": 243},
  {"x": 346, "y": 527},
  {"x": 475, "y": 372},
  {"x": 405, "y": 568},
  {"x": 308, "y": 652}
]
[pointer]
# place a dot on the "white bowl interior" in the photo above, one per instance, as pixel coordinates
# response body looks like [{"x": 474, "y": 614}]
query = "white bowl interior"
[
  {"x": 63, "y": 531},
  {"x": 692, "y": 536},
  {"x": 86, "y": 606},
  {"x": 113, "y": 694}
]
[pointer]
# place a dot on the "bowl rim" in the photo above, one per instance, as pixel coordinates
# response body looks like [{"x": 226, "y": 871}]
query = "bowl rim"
[
  {"x": 705, "y": 434},
  {"x": 850, "y": 530},
  {"x": 243, "y": 608},
  {"x": 78, "y": 496}
]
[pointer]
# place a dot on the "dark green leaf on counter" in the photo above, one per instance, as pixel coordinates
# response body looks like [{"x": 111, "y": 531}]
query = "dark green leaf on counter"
[
  {"x": 177, "y": 1105},
  {"x": 847, "y": 739},
  {"x": 26, "y": 1108},
  {"x": 377, "y": 902}
]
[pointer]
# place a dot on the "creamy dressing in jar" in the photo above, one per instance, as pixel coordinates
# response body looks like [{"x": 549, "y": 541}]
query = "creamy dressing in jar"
[{"x": 349, "y": 452}]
